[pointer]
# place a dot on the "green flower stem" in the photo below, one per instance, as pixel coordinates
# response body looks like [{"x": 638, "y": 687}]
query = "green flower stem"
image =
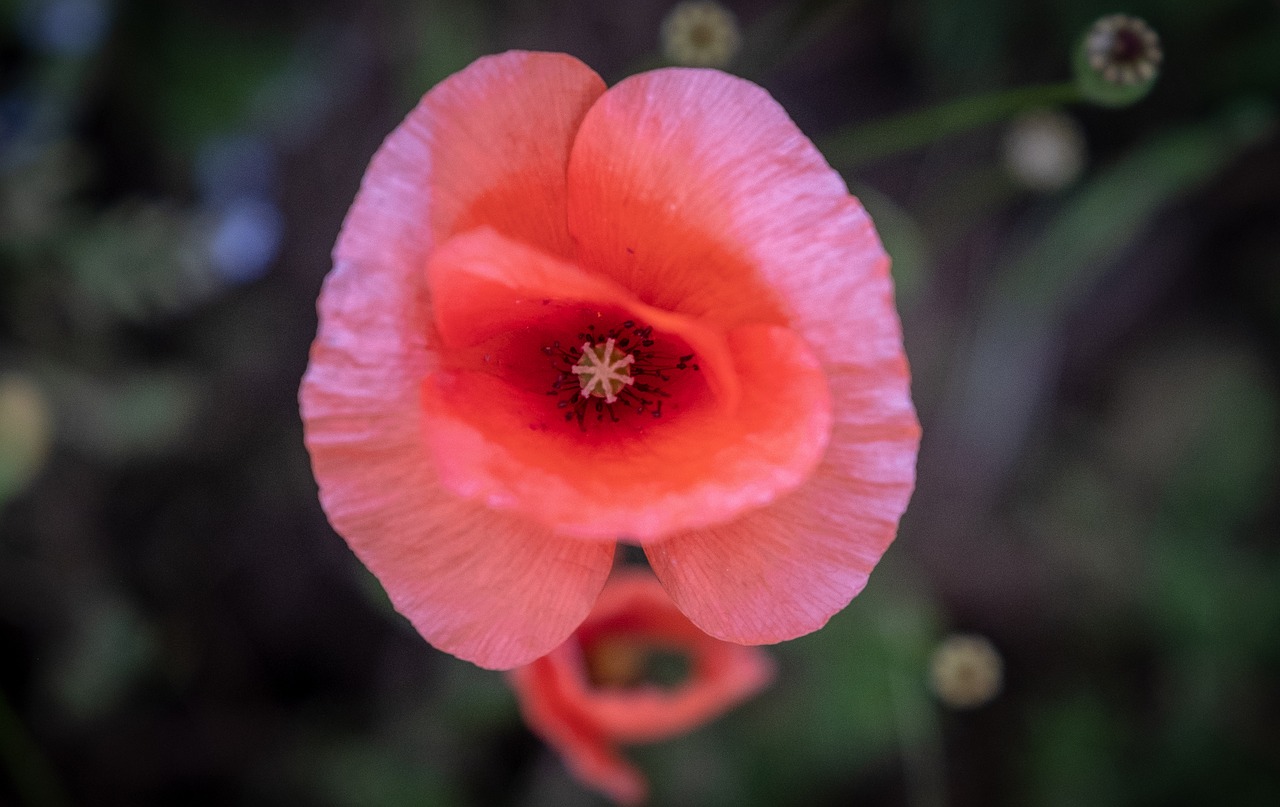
[
  {"x": 920, "y": 743},
  {"x": 863, "y": 143}
]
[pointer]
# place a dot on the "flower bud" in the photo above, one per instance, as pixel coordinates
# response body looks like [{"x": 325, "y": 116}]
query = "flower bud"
[
  {"x": 1118, "y": 60},
  {"x": 700, "y": 34},
  {"x": 1045, "y": 150},
  {"x": 965, "y": 671}
]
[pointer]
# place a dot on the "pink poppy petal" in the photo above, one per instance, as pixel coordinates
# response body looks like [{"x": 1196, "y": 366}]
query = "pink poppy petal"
[
  {"x": 482, "y": 585},
  {"x": 584, "y": 721},
  {"x": 635, "y": 607},
  {"x": 464, "y": 158},
  {"x": 783, "y": 571},
  {"x": 695, "y": 190},
  {"x": 586, "y": 751}
]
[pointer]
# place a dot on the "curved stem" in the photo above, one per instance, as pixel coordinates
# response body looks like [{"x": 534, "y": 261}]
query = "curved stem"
[
  {"x": 863, "y": 143},
  {"x": 920, "y": 741}
]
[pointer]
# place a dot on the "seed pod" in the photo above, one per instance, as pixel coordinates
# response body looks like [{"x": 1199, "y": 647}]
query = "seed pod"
[{"x": 1118, "y": 60}]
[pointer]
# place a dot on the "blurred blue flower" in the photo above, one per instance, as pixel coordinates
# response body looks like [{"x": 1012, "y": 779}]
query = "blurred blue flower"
[
  {"x": 245, "y": 239},
  {"x": 67, "y": 27}
]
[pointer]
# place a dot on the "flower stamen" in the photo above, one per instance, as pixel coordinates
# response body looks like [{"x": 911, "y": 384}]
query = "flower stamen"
[
  {"x": 615, "y": 371},
  {"x": 604, "y": 370}
]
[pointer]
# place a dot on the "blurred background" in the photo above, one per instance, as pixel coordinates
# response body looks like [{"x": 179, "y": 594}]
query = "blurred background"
[{"x": 1091, "y": 299}]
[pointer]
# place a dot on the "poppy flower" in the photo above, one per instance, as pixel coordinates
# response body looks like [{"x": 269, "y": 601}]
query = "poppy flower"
[
  {"x": 635, "y": 671},
  {"x": 562, "y": 315}
]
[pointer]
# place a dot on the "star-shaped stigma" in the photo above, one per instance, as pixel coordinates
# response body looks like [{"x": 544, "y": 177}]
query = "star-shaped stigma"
[{"x": 604, "y": 370}]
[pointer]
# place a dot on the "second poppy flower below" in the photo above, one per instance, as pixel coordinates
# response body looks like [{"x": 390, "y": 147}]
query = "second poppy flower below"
[{"x": 635, "y": 671}]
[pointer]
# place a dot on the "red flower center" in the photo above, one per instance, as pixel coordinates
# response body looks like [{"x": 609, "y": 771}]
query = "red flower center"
[
  {"x": 583, "y": 374},
  {"x": 619, "y": 373}
]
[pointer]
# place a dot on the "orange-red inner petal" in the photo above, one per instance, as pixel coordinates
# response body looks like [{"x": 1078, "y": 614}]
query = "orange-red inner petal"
[{"x": 685, "y": 442}]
